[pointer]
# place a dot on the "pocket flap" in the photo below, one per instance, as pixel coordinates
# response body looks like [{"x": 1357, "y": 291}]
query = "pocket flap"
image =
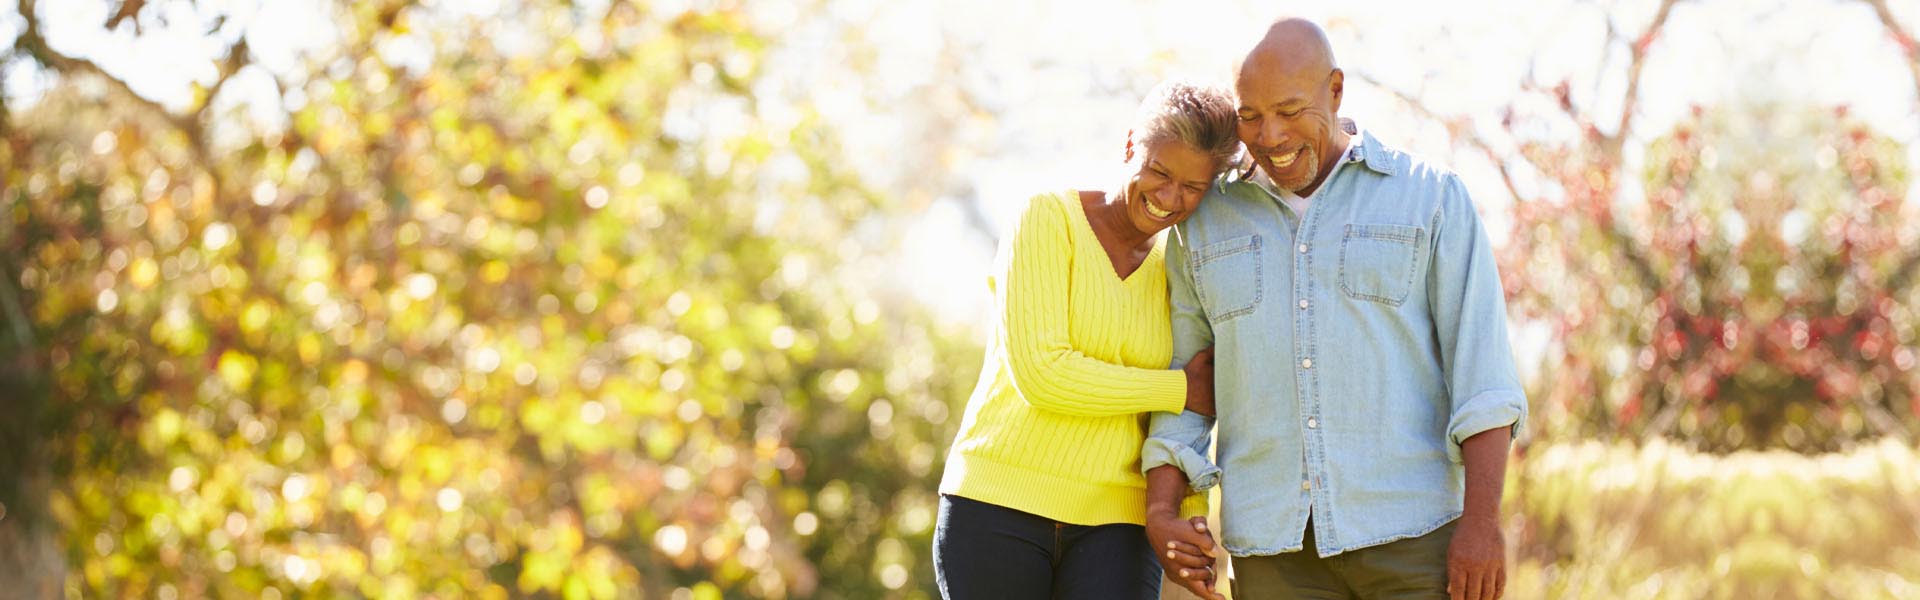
[
  {"x": 1407, "y": 234},
  {"x": 1223, "y": 249}
]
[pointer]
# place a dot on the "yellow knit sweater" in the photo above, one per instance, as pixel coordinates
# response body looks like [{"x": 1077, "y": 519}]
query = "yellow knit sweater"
[{"x": 1078, "y": 357}]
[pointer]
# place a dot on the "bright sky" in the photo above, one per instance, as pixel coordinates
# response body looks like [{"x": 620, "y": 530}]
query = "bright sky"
[
  {"x": 1463, "y": 58},
  {"x": 1051, "y": 84},
  {"x": 165, "y": 62}
]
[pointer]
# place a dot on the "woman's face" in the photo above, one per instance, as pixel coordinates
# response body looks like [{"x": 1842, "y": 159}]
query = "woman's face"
[{"x": 1172, "y": 178}]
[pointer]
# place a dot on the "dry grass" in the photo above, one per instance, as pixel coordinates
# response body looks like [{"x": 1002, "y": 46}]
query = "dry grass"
[{"x": 1590, "y": 520}]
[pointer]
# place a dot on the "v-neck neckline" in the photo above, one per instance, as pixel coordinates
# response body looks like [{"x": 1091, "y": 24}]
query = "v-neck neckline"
[{"x": 1086, "y": 224}]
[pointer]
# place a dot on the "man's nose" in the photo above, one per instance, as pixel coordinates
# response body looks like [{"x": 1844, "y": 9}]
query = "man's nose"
[{"x": 1271, "y": 133}]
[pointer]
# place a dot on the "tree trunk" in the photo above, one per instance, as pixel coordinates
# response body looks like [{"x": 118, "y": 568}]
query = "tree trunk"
[{"x": 31, "y": 563}]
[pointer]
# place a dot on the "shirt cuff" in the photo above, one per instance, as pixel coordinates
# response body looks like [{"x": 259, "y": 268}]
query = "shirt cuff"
[
  {"x": 1483, "y": 412},
  {"x": 1201, "y": 473}
]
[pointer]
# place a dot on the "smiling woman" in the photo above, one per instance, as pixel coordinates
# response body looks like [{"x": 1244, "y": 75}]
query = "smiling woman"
[{"x": 1042, "y": 495}]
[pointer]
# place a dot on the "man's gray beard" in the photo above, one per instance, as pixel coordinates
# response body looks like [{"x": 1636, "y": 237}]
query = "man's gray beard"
[{"x": 1312, "y": 157}]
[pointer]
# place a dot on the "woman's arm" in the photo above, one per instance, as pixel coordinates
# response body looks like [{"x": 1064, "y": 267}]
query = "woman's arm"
[{"x": 1047, "y": 370}]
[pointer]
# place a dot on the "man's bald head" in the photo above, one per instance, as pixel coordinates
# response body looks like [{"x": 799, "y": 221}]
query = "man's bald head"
[
  {"x": 1290, "y": 92},
  {"x": 1290, "y": 45}
]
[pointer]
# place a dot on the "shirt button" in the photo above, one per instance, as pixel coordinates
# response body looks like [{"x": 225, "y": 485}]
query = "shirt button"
[
  {"x": 1306, "y": 363},
  {"x": 1303, "y": 304},
  {"x": 1303, "y": 248},
  {"x": 1313, "y": 423},
  {"x": 1306, "y": 485}
]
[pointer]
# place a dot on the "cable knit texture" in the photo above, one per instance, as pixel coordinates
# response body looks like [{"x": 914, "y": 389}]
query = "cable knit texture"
[{"x": 1079, "y": 356}]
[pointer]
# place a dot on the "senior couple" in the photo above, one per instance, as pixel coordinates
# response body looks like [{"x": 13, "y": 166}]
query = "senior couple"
[{"x": 1328, "y": 302}]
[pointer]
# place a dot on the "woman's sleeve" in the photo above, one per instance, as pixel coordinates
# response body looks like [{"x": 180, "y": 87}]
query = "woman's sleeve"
[{"x": 1047, "y": 370}]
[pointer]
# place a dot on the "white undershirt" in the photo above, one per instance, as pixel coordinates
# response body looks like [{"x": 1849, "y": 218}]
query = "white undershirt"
[{"x": 1294, "y": 201}]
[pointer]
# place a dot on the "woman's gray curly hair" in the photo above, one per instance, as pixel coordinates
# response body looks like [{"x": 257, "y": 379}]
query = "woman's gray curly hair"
[{"x": 1200, "y": 116}]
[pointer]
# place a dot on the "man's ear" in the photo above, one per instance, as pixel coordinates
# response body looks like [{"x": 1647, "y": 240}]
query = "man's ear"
[
  {"x": 1336, "y": 87},
  {"x": 1129, "y": 157}
]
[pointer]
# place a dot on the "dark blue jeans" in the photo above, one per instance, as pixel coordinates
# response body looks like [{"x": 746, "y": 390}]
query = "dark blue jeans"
[{"x": 983, "y": 550}]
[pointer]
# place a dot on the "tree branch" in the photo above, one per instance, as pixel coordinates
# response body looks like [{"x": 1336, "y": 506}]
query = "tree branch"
[
  {"x": 1639, "y": 48},
  {"x": 1900, "y": 36},
  {"x": 129, "y": 9},
  {"x": 1903, "y": 274},
  {"x": 1462, "y": 135},
  {"x": 34, "y": 44},
  {"x": 238, "y": 57},
  {"x": 192, "y": 124}
]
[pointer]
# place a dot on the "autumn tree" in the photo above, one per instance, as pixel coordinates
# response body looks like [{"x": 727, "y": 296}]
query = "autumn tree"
[{"x": 569, "y": 307}]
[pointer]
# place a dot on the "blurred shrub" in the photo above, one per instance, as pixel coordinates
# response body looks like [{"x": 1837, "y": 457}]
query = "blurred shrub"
[{"x": 1757, "y": 291}]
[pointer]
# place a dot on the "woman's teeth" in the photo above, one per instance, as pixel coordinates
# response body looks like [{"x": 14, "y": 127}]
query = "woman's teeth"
[{"x": 1157, "y": 213}]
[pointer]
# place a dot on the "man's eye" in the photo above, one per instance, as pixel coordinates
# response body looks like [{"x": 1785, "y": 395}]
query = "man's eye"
[{"x": 1249, "y": 117}]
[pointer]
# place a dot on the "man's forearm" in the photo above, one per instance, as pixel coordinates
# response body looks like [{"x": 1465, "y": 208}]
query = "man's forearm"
[
  {"x": 1485, "y": 455},
  {"x": 1166, "y": 486}
]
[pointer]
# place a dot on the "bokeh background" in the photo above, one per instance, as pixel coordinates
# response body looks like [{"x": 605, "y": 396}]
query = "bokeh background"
[{"x": 681, "y": 299}]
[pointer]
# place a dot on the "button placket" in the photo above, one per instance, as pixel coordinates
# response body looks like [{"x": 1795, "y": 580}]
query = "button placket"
[{"x": 1303, "y": 348}]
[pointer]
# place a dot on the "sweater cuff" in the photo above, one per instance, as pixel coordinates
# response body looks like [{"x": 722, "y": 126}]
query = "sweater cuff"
[
  {"x": 1194, "y": 505},
  {"x": 1171, "y": 390}
]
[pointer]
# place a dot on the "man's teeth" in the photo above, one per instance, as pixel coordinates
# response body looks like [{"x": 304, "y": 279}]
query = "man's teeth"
[
  {"x": 1282, "y": 160},
  {"x": 1157, "y": 213}
]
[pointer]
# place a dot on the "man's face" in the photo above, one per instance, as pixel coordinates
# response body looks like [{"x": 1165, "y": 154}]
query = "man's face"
[{"x": 1288, "y": 117}]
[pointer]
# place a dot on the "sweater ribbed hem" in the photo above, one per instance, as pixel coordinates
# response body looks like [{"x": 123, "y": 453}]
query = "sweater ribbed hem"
[{"x": 1062, "y": 499}]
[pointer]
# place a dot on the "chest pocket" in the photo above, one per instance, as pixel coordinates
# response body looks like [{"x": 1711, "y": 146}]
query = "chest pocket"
[
  {"x": 1227, "y": 276},
  {"x": 1377, "y": 262}
]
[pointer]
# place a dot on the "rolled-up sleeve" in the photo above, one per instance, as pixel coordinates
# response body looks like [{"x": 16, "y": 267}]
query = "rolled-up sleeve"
[
  {"x": 1470, "y": 317},
  {"x": 1182, "y": 439},
  {"x": 1179, "y": 440}
]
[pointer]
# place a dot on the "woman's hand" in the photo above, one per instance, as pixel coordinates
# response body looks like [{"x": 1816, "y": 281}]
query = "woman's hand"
[{"x": 1200, "y": 382}]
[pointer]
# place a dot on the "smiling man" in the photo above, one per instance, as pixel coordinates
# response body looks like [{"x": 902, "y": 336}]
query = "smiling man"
[{"x": 1365, "y": 388}]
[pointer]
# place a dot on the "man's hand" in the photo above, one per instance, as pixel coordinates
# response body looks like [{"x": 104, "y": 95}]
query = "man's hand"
[
  {"x": 1185, "y": 550},
  {"x": 1477, "y": 557},
  {"x": 1477, "y": 561}
]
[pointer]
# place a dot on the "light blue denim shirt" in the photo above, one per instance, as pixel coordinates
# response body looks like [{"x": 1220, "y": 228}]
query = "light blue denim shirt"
[{"x": 1355, "y": 347}]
